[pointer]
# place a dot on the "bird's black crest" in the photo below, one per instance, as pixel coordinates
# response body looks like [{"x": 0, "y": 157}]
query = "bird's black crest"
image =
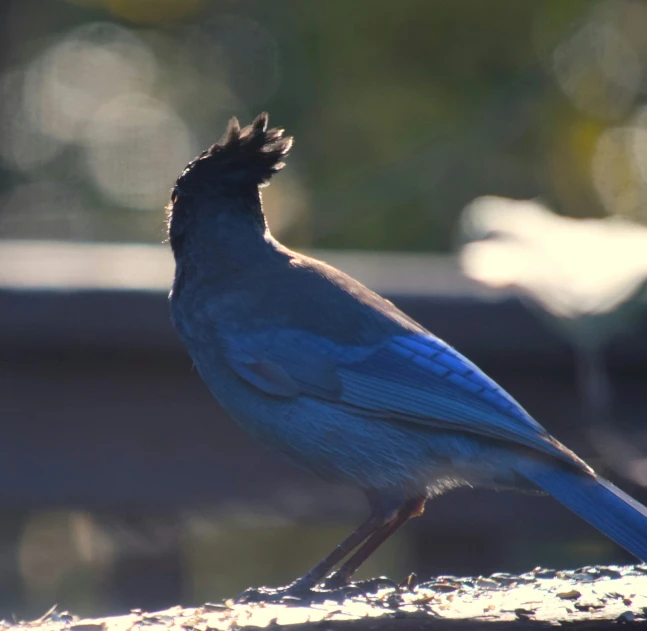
[{"x": 242, "y": 157}]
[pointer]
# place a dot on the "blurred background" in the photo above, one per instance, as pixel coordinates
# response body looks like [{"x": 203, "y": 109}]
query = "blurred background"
[{"x": 417, "y": 124}]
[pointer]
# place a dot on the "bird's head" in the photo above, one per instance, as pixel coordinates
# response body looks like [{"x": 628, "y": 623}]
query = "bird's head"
[{"x": 226, "y": 177}]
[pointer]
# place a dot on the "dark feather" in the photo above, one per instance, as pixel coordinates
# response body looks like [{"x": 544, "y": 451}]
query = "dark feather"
[{"x": 241, "y": 158}]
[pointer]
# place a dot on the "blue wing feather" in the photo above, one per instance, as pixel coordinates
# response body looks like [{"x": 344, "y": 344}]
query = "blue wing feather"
[
  {"x": 425, "y": 390},
  {"x": 413, "y": 378},
  {"x": 307, "y": 359}
]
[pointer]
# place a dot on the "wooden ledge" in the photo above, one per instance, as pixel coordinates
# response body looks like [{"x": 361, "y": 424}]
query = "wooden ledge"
[{"x": 588, "y": 598}]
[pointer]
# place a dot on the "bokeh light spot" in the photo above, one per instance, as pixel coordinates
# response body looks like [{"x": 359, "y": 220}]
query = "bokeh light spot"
[
  {"x": 619, "y": 170},
  {"x": 598, "y": 69},
  {"x": 23, "y": 147},
  {"x": 95, "y": 63},
  {"x": 136, "y": 147}
]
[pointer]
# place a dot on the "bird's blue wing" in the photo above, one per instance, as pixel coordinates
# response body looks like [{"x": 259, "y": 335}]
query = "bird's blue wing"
[
  {"x": 419, "y": 378},
  {"x": 288, "y": 363},
  {"x": 414, "y": 378}
]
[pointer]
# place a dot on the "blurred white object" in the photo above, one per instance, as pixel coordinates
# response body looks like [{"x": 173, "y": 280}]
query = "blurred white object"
[
  {"x": 574, "y": 268},
  {"x": 589, "y": 274}
]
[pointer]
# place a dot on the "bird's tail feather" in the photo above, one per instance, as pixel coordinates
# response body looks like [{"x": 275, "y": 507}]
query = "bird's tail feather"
[{"x": 595, "y": 500}]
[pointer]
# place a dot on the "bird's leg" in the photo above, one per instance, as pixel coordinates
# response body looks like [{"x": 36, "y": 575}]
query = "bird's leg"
[
  {"x": 365, "y": 532},
  {"x": 303, "y": 586},
  {"x": 410, "y": 509}
]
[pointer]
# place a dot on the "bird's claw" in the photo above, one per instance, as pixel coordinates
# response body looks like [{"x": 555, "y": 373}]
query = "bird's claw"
[
  {"x": 335, "y": 587},
  {"x": 293, "y": 592},
  {"x": 334, "y": 582},
  {"x": 369, "y": 586}
]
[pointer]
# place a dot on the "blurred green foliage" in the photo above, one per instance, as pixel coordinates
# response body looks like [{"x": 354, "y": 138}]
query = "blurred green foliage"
[{"x": 402, "y": 112}]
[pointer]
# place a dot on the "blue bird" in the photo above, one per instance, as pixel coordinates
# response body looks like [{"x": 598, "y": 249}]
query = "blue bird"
[{"x": 341, "y": 381}]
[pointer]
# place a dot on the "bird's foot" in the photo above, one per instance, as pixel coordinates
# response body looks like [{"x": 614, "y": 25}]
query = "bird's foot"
[
  {"x": 289, "y": 594},
  {"x": 336, "y": 587},
  {"x": 337, "y": 582}
]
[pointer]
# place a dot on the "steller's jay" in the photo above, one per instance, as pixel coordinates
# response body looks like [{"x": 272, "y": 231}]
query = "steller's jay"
[{"x": 340, "y": 380}]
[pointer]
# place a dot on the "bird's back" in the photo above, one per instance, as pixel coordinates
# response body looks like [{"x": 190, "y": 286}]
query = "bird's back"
[{"x": 291, "y": 289}]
